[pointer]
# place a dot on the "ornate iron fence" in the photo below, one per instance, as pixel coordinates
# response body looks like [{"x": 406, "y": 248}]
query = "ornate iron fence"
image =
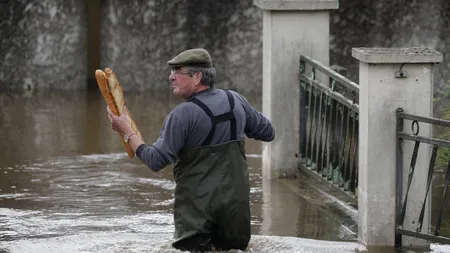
[
  {"x": 401, "y": 203},
  {"x": 329, "y": 125}
]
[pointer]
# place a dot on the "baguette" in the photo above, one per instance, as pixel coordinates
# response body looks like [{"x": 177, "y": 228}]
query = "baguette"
[{"x": 113, "y": 94}]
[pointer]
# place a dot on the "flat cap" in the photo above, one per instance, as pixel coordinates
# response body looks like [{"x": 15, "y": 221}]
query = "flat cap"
[{"x": 197, "y": 57}]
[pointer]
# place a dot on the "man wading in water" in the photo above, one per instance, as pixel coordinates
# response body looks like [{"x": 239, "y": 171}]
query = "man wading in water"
[{"x": 204, "y": 136}]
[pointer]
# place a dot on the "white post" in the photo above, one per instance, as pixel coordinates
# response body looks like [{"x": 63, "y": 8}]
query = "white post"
[
  {"x": 383, "y": 89},
  {"x": 290, "y": 28}
]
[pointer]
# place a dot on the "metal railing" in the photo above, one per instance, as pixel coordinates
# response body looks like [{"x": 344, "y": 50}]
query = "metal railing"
[
  {"x": 402, "y": 204},
  {"x": 329, "y": 125}
]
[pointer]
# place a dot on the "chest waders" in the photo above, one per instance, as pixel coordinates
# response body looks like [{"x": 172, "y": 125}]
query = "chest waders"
[{"x": 212, "y": 192}]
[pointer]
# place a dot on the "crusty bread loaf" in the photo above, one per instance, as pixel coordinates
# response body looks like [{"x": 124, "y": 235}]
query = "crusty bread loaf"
[{"x": 113, "y": 94}]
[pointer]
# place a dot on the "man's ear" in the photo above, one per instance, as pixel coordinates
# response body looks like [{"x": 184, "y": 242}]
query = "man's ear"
[{"x": 198, "y": 77}]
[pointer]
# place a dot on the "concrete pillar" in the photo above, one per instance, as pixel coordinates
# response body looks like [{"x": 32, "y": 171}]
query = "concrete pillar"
[
  {"x": 382, "y": 91},
  {"x": 290, "y": 28}
]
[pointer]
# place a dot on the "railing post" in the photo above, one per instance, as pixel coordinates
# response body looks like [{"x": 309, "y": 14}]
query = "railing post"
[
  {"x": 391, "y": 78},
  {"x": 290, "y": 28}
]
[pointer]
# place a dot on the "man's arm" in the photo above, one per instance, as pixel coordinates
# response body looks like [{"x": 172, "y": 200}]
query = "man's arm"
[
  {"x": 258, "y": 126},
  {"x": 134, "y": 141},
  {"x": 166, "y": 148}
]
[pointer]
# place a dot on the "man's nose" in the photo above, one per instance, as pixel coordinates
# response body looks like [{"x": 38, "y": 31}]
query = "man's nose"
[{"x": 172, "y": 76}]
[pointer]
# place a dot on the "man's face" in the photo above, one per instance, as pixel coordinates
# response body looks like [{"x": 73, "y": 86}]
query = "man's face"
[{"x": 184, "y": 83}]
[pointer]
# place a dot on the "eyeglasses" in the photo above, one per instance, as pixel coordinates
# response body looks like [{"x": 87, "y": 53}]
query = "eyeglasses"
[{"x": 178, "y": 71}]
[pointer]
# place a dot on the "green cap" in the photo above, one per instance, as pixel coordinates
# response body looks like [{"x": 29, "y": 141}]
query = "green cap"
[{"x": 197, "y": 57}]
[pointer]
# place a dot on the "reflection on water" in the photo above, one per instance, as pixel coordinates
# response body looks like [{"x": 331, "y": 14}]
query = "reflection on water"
[{"x": 66, "y": 185}]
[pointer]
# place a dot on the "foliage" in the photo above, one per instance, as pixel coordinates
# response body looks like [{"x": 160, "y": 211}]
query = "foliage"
[{"x": 442, "y": 111}]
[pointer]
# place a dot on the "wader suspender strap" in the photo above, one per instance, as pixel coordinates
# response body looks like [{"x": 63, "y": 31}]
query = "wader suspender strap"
[{"x": 219, "y": 118}]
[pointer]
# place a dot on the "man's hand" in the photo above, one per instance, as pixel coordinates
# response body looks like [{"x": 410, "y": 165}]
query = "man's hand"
[{"x": 120, "y": 124}]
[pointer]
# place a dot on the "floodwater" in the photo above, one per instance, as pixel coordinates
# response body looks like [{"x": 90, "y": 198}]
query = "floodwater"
[{"x": 66, "y": 185}]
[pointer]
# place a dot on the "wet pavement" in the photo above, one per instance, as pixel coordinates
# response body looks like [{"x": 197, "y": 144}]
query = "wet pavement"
[{"x": 66, "y": 185}]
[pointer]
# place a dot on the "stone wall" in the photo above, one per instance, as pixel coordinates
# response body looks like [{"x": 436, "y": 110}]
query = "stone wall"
[
  {"x": 386, "y": 23},
  {"x": 140, "y": 39},
  {"x": 42, "y": 44}
]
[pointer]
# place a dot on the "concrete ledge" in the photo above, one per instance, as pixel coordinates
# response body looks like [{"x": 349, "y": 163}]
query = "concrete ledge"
[
  {"x": 297, "y": 4},
  {"x": 397, "y": 55},
  {"x": 304, "y": 173}
]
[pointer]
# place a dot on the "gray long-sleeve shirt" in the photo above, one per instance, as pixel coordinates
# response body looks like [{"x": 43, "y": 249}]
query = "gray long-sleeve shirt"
[{"x": 187, "y": 126}]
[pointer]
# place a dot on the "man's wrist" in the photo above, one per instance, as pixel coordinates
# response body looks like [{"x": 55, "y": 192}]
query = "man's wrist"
[
  {"x": 128, "y": 130},
  {"x": 127, "y": 137}
]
